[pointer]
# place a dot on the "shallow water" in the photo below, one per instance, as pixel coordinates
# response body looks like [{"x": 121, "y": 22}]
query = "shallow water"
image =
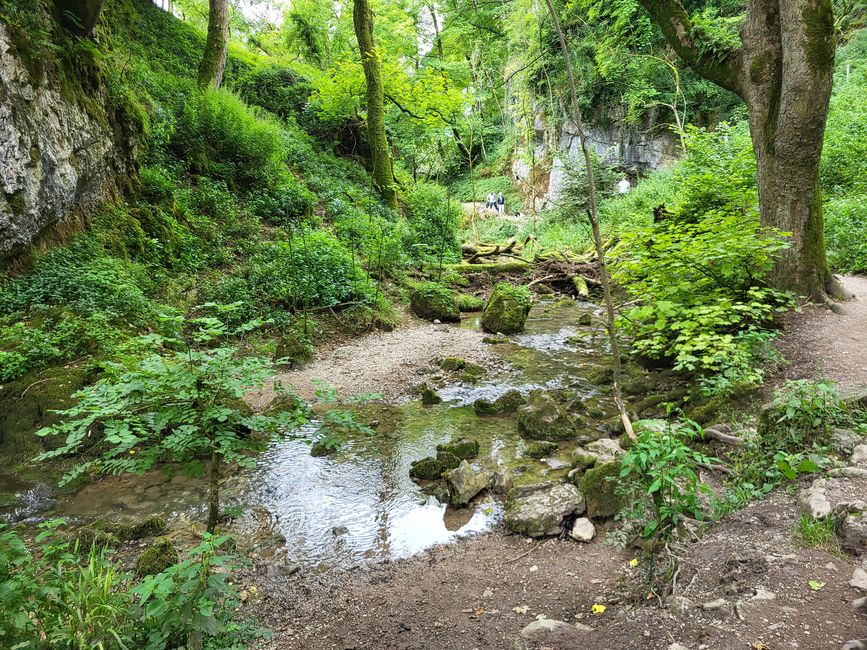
[{"x": 360, "y": 504}]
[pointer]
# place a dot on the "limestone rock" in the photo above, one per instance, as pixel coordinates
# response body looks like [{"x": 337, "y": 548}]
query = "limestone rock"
[
  {"x": 551, "y": 633},
  {"x": 501, "y": 482},
  {"x": 464, "y": 484},
  {"x": 506, "y": 310},
  {"x": 859, "y": 579},
  {"x": 541, "y": 449},
  {"x": 853, "y": 532},
  {"x": 582, "y": 530},
  {"x": 508, "y": 402},
  {"x": 812, "y": 501},
  {"x": 845, "y": 440},
  {"x": 859, "y": 456},
  {"x": 464, "y": 448},
  {"x": 538, "y": 511},
  {"x": 542, "y": 418},
  {"x": 605, "y": 450}
]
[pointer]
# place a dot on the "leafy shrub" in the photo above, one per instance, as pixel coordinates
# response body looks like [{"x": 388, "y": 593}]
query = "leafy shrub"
[
  {"x": 284, "y": 205},
  {"x": 312, "y": 269},
  {"x": 661, "y": 472},
  {"x": 845, "y": 230},
  {"x": 279, "y": 89},
  {"x": 82, "y": 279},
  {"x": 433, "y": 223},
  {"x": 222, "y": 137}
]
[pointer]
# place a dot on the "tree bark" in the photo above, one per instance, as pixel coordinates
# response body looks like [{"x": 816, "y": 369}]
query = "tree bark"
[
  {"x": 380, "y": 154},
  {"x": 783, "y": 70},
  {"x": 214, "y": 492},
  {"x": 79, "y": 16},
  {"x": 216, "y": 46},
  {"x": 593, "y": 214}
]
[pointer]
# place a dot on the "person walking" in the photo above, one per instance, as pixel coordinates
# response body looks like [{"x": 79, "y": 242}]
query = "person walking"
[
  {"x": 491, "y": 203},
  {"x": 501, "y": 204}
]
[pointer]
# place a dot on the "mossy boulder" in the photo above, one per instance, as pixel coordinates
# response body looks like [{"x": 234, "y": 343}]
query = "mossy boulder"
[
  {"x": 464, "y": 483},
  {"x": 473, "y": 372},
  {"x": 429, "y": 396},
  {"x": 88, "y": 537},
  {"x": 427, "y": 469},
  {"x": 463, "y": 448},
  {"x": 541, "y": 449},
  {"x": 29, "y": 403},
  {"x": 506, "y": 310},
  {"x": 452, "y": 364},
  {"x": 293, "y": 349},
  {"x": 542, "y": 418},
  {"x": 469, "y": 302},
  {"x": 539, "y": 510},
  {"x": 156, "y": 558},
  {"x": 433, "y": 301},
  {"x": 449, "y": 460},
  {"x": 599, "y": 485},
  {"x": 131, "y": 531},
  {"x": 508, "y": 402}
]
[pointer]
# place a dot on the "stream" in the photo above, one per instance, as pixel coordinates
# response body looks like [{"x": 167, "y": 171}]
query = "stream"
[{"x": 359, "y": 504}]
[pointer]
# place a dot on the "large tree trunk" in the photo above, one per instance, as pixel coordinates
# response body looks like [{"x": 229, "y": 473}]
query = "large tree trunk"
[
  {"x": 79, "y": 16},
  {"x": 783, "y": 71},
  {"x": 216, "y": 46},
  {"x": 383, "y": 174}
]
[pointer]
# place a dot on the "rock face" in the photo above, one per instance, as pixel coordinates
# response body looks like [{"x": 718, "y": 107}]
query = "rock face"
[
  {"x": 57, "y": 159},
  {"x": 539, "y": 510},
  {"x": 464, "y": 484},
  {"x": 542, "y": 418},
  {"x": 506, "y": 310},
  {"x": 599, "y": 485}
]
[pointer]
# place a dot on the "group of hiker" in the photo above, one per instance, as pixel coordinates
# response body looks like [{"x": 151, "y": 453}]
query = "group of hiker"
[{"x": 496, "y": 202}]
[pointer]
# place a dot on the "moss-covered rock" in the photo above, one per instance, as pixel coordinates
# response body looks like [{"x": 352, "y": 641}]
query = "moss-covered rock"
[
  {"x": 156, "y": 558},
  {"x": 584, "y": 320},
  {"x": 429, "y": 396},
  {"x": 469, "y": 302},
  {"x": 541, "y": 449},
  {"x": 506, "y": 310},
  {"x": 464, "y": 484},
  {"x": 452, "y": 364},
  {"x": 293, "y": 349},
  {"x": 463, "y": 448},
  {"x": 88, "y": 537},
  {"x": 130, "y": 531},
  {"x": 495, "y": 340},
  {"x": 433, "y": 301},
  {"x": 598, "y": 485},
  {"x": 473, "y": 371},
  {"x": 29, "y": 403},
  {"x": 448, "y": 459},
  {"x": 542, "y": 418},
  {"x": 427, "y": 469},
  {"x": 540, "y": 510}
]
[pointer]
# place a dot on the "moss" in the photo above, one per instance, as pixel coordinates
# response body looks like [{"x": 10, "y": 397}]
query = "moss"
[
  {"x": 601, "y": 375},
  {"x": 428, "y": 469},
  {"x": 156, "y": 558},
  {"x": 473, "y": 372},
  {"x": 452, "y": 364},
  {"x": 88, "y": 537},
  {"x": 293, "y": 348},
  {"x": 541, "y": 449},
  {"x": 29, "y": 403},
  {"x": 429, "y": 396},
  {"x": 130, "y": 531},
  {"x": 463, "y": 448},
  {"x": 583, "y": 459},
  {"x": 818, "y": 20},
  {"x": 508, "y": 402},
  {"x": 542, "y": 418},
  {"x": 448, "y": 460},
  {"x": 599, "y": 487},
  {"x": 506, "y": 310},
  {"x": 469, "y": 302},
  {"x": 493, "y": 269},
  {"x": 433, "y": 301},
  {"x": 760, "y": 68}
]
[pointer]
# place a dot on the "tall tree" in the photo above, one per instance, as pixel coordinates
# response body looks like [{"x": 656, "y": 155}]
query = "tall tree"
[
  {"x": 79, "y": 16},
  {"x": 380, "y": 154},
  {"x": 216, "y": 46},
  {"x": 783, "y": 70}
]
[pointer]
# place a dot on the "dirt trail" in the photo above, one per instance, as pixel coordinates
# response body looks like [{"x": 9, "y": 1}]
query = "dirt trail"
[{"x": 821, "y": 343}]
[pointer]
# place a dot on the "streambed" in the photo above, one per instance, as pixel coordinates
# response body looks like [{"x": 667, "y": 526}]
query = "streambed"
[{"x": 359, "y": 504}]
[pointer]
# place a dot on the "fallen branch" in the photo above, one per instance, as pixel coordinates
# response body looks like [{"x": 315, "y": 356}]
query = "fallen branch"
[{"x": 723, "y": 433}]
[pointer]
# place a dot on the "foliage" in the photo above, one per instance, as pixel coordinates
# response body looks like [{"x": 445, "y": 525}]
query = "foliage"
[
  {"x": 433, "y": 219},
  {"x": 819, "y": 533},
  {"x": 311, "y": 269},
  {"x": 802, "y": 412},
  {"x": 661, "y": 472},
  {"x": 283, "y": 205}
]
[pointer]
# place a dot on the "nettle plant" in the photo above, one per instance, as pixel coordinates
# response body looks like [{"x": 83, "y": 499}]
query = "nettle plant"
[
  {"x": 182, "y": 403},
  {"x": 660, "y": 475}
]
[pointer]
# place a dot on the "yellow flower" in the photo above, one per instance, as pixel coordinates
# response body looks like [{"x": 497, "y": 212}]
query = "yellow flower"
[
  {"x": 598, "y": 609},
  {"x": 131, "y": 452},
  {"x": 253, "y": 589},
  {"x": 633, "y": 562}
]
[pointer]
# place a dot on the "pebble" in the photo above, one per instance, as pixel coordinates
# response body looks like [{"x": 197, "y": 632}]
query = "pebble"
[{"x": 719, "y": 603}]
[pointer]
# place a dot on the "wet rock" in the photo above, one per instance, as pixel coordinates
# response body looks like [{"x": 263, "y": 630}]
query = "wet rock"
[
  {"x": 582, "y": 459},
  {"x": 551, "y": 633},
  {"x": 427, "y": 469},
  {"x": 605, "y": 450},
  {"x": 584, "y": 320},
  {"x": 437, "y": 490},
  {"x": 508, "y": 402},
  {"x": 448, "y": 460},
  {"x": 464, "y": 483},
  {"x": 598, "y": 486},
  {"x": 429, "y": 396},
  {"x": 538, "y": 511},
  {"x": 463, "y": 448},
  {"x": 156, "y": 558},
  {"x": 506, "y": 310},
  {"x": 501, "y": 482},
  {"x": 542, "y": 418},
  {"x": 812, "y": 501},
  {"x": 452, "y": 364},
  {"x": 541, "y": 449},
  {"x": 845, "y": 440},
  {"x": 473, "y": 372},
  {"x": 433, "y": 301},
  {"x": 495, "y": 340},
  {"x": 582, "y": 530},
  {"x": 859, "y": 456}
]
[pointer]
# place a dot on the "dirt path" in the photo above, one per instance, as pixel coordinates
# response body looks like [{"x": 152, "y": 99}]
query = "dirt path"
[
  {"x": 386, "y": 362},
  {"x": 821, "y": 343}
]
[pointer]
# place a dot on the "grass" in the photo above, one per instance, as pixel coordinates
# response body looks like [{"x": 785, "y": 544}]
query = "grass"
[{"x": 819, "y": 534}]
